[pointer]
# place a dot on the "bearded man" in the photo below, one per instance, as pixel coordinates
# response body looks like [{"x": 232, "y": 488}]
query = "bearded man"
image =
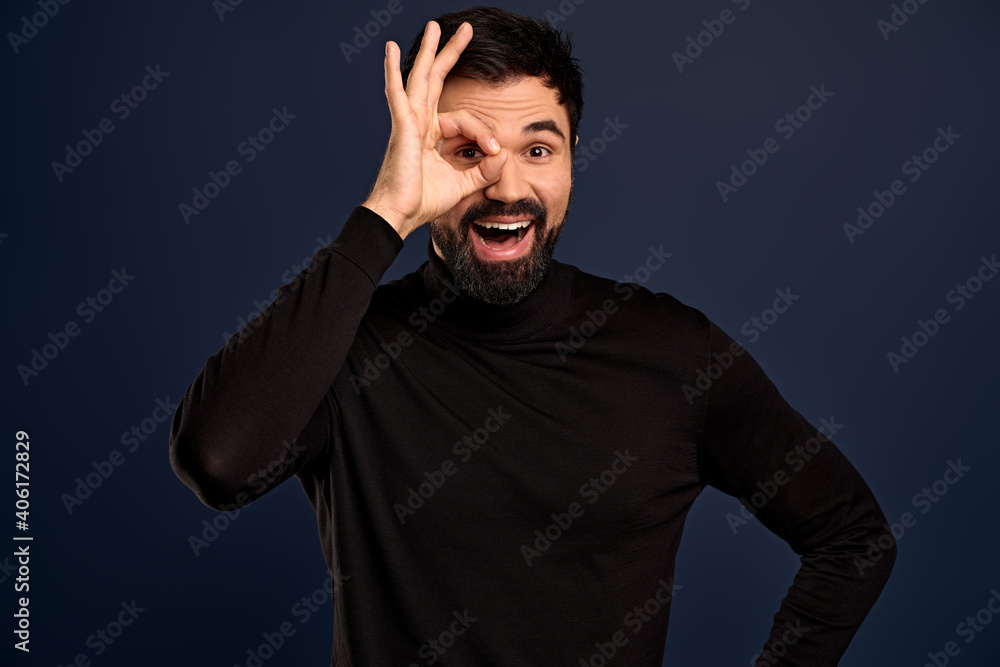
[{"x": 500, "y": 448}]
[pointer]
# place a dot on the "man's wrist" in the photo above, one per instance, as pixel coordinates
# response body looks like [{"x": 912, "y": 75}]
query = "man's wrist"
[{"x": 400, "y": 223}]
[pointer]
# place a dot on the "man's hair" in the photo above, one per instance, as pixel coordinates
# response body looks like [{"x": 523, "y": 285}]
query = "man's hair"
[{"x": 506, "y": 47}]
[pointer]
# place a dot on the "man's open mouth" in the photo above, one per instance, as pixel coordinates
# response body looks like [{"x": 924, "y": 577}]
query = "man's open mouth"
[{"x": 501, "y": 235}]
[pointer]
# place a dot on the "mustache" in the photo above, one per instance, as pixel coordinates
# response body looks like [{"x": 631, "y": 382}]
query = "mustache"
[{"x": 490, "y": 207}]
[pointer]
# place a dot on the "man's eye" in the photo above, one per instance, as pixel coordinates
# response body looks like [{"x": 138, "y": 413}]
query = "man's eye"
[{"x": 470, "y": 153}]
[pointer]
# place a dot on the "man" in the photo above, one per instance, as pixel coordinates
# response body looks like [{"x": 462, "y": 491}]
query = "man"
[{"x": 500, "y": 448}]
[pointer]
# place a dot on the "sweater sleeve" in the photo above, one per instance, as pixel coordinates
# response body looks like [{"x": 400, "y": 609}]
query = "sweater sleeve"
[
  {"x": 801, "y": 487},
  {"x": 261, "y": 407}
]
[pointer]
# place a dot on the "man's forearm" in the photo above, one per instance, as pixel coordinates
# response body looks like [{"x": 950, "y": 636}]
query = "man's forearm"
[
  {"x": 801, "y": 487},
  {"x": 835, "y": 588}
]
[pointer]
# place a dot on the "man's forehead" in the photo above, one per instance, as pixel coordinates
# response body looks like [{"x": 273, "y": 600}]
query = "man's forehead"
[{"x": 526, "y": 97}]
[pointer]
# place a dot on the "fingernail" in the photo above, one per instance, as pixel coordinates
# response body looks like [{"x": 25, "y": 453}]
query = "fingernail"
[{"x": 494, "y": 145}]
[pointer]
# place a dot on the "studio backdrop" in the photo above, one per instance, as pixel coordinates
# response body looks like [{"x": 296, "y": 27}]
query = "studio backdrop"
[{"x": 822, "y": 177}]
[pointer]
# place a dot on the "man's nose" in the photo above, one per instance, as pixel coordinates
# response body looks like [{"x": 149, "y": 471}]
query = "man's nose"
[{"x": 511, "y": 186}]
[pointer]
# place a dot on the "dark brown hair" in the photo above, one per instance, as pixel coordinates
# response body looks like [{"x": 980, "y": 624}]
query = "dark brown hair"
[{"x": 506, "y": 47}]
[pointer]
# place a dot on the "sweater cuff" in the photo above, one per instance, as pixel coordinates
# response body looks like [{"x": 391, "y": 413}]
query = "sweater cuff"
[{"x": 368, "y": 241}]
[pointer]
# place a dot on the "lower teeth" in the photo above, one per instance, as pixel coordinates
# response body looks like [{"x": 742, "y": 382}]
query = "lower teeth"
[{"x": 521, "y": 231}]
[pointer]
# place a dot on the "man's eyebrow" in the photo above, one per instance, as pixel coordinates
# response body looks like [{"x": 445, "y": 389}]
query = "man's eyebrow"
[{"x": 547, "y": 125}]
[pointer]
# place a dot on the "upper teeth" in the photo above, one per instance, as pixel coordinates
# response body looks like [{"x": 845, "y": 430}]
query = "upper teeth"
[{"x": 505, "y": 225}]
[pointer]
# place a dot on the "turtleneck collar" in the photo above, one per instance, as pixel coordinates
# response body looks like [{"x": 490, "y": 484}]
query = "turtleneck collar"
[{"x": 474, "y": 319}]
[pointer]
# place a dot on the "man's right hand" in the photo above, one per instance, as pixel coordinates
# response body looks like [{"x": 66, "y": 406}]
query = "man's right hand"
[{"x": 415, "y": 183}]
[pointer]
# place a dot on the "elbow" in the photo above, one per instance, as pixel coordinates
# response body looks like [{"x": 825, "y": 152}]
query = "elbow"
[
  {"x": 889, "y": 552},
  {"x": 875, "y": 559},
  {"x": 205, "y": 473}
]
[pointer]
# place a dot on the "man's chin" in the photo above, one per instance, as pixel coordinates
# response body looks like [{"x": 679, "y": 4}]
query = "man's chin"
[{"x": 497, "y": 276}]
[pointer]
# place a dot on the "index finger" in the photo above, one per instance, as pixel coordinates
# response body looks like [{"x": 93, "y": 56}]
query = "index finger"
[{"x": 466, "y": 124}]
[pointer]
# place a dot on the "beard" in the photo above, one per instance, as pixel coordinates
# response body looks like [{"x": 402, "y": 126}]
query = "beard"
[{"x": 498, "y": 282}]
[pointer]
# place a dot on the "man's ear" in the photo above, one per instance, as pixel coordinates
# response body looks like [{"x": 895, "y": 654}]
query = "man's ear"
[{"x": 577, "y": 140}]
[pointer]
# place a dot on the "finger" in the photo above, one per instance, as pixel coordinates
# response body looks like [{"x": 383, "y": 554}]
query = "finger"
[
  {"x": 399, "y": 105},
  {"x": 483, "y": 174},
  {"x": 464, "y": 123},
  {"x": 445, "y": 60},
  {"x": 416, "y": 84}
]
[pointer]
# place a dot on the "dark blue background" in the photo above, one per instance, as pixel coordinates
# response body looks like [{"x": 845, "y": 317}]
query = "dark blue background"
[{"x": 655, "y": 184}]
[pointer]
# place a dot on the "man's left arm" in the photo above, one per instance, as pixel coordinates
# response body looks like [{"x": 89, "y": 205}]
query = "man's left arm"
[{"x": 800, "y": 486}]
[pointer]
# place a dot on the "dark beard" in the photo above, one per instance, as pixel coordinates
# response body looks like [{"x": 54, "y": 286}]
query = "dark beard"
[{"x": 503, "y": 282}]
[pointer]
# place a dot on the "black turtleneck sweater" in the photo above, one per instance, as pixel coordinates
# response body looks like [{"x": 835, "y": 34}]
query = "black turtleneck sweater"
[{"x": 507, "y": 486}]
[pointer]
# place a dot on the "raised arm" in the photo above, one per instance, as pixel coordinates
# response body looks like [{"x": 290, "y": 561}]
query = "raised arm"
[
  {"x": 800, "y": 486},
  {"x": 248, "y": 409},
  {"x": 260, "y": 408}
]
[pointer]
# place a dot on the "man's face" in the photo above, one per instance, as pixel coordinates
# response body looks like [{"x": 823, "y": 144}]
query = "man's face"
[{"x": 496, "y": 265}]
